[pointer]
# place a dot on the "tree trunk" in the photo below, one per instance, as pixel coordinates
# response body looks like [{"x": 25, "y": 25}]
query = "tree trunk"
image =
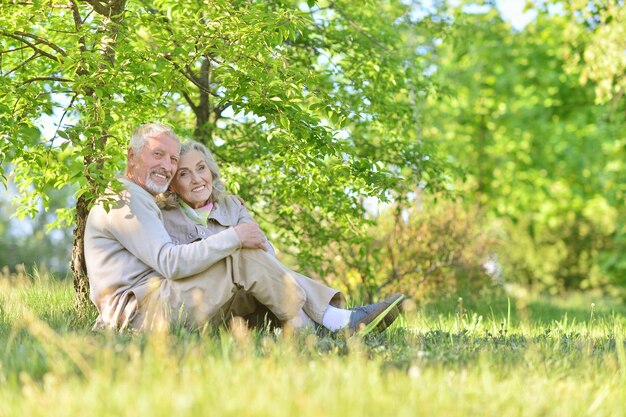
[
  {"x": 113, "y": 10},
  {"x": 78, "y": 265},
  {"x": 206, "y": 113}
]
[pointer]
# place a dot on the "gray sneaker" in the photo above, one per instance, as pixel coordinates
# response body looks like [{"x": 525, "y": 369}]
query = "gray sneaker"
[{"x": 364, "y": 315}]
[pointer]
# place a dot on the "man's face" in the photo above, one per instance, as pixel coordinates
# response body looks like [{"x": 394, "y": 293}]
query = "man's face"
[{"x": 154, "y": 167}]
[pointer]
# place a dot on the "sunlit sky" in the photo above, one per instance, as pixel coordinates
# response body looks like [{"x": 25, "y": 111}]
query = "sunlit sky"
[{"x": 513, "y": 12}]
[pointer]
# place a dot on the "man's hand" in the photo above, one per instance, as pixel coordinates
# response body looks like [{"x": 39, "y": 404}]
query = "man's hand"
[{"x": 250, "y": 236}]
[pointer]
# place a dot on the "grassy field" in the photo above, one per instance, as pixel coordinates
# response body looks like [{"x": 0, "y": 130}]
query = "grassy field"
[{"x": 500, "y": 357}]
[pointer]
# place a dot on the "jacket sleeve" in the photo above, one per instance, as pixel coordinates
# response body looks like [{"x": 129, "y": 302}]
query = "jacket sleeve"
[
  {"x": 245, "y": 217},
  {"x": 138, "y": 226}
]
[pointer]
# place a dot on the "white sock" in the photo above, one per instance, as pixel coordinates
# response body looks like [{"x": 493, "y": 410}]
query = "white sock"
[
  {"x": 301, "y": 321},
  {"x": 335, "y": 318}
]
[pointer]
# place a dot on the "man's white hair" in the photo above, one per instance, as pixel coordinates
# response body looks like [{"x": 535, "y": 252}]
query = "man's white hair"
[{"x": 138, "y": 139}]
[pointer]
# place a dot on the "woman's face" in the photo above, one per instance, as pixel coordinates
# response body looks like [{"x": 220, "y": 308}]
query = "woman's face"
[{"x": 193, "y": 181}]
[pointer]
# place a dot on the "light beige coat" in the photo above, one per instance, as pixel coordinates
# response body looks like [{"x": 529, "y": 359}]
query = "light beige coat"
[{"x": 128, "y": 253}]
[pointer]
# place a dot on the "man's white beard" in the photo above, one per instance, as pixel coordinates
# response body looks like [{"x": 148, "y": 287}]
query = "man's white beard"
[{"x": 155, "y": 188}]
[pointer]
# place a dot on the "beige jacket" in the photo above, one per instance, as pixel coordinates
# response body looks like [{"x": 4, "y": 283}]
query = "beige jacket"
[
  {"x": 128, "y": 246},
  {"x": 227, "y": 213}
]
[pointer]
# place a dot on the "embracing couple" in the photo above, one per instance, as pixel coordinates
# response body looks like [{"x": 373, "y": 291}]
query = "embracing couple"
[{"x": 173, "y": 248}]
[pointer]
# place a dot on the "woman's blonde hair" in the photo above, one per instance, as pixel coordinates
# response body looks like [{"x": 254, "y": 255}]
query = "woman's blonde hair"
[{"x": 170, "y": 200}]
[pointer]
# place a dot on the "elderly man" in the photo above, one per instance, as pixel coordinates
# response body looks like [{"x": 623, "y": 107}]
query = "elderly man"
[{"x": 140, "y": 278}]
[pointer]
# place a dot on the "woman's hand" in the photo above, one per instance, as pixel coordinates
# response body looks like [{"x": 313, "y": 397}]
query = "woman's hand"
[{"x": 251, "y": 236}]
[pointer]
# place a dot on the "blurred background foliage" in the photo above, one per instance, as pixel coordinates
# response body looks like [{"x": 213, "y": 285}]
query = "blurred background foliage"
[
  {"x": 530, "y": 125},
  {"x": 542, "y": 156},
  {"x": 533, "y": 119},
  {"x": 31, "y": 242}
]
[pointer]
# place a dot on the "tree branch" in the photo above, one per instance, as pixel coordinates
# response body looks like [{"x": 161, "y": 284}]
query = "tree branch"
[
  {"x": 31, "y": 45},
  {"x": 8, "y": 51},
  {"x": 100, "y": 8},
  {"x": 42, "y": 40},
  {"x": 188, "y": 71},
  {"x": 26, "y": 61},
  {"x": 117, "y": 6},
  {"x": 189, "y": 101},
  {"x": 32, "y": 80},
  {"x": 56, "y": 131},
  {"x": 78, "y": 21},
  {"x": 217, "y": 111},
  {"x": 30, "y": 3},
  {"x": 360, "y": 29},
  {"x": 188, "y": 76}
]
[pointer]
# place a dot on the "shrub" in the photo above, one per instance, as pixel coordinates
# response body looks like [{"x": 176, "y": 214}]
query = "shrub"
[{"x": 426, "y": 250}]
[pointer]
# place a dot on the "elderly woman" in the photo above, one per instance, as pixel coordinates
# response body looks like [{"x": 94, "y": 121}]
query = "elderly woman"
[{"x": 198, "y": 207}]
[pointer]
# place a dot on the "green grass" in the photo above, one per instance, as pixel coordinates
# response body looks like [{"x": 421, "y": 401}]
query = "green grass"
[{"x": 497, "y": 357}]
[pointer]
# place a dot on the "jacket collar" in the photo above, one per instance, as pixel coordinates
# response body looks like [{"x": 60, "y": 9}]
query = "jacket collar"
[
  {"x": 223, "y": 216},
  {"x": 220, "y": 214}
]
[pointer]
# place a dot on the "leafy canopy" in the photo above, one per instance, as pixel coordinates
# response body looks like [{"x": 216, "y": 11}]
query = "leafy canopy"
[{"x": 309, "y": 107}]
